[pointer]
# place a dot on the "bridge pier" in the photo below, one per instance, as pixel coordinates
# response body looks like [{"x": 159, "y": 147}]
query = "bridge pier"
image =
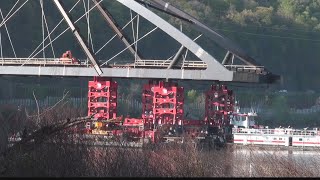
[
  {"x": 102, "y": 98},
  {"x": 219, "y": 107},
  {"x": 162, "y": 110},
  {"x": 162, "y": 103}
]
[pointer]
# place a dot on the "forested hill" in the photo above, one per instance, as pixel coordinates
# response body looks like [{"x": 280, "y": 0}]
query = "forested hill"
[{"x": 283, "y": 35}]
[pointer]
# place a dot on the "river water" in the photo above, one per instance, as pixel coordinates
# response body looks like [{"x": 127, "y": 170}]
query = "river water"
[
  {"x": 275, "y": 162},
  {"x": 247, "y": 161}
]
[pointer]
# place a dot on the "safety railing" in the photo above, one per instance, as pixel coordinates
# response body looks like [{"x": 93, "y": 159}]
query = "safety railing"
[
  {"x": 137, "y": 63},
  {"x": 166, "y": 63},
  {"x": 276, "y": 131},
  {"x": 36, "y": 61},
  {"x": 246, "y": 68}
]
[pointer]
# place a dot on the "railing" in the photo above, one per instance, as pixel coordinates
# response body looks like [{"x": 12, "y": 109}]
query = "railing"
[
  {"x": 68, "y": 61},
  {"x": 276, "y": 131},
  {"x": 166, "y": 63},
  {"x": 138, "y": 63},
  {"x": 36, "y": 61},
  {"x": 246, "y": 68}
]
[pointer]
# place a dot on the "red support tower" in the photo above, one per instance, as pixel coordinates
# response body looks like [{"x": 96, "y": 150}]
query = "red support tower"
[
  {"x": 219, "y": 106},
  {"x": 102, "y": 98},
  {"x": 162, "y": 103}
]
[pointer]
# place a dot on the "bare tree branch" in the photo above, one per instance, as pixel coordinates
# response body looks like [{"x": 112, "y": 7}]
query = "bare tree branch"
[
  {"x": 38, "y": 118},
  {"x": 50, "y": 108}
]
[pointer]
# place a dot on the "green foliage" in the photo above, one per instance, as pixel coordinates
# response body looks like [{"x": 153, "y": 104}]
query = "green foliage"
[
  {"x": 260, "y": 16},
  {"x": 302, "y": 12},
  {"x": 192, "y": 95},
  {"x": 278, "y": 33}
]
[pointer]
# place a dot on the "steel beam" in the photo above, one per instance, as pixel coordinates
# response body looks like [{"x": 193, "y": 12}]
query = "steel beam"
[
  {"x": 152, "y": 73},
  {"x": 77, "y": 34},
  {"x": 176, "y": 58},
  {"x": 115, "y": 27},
  {"x": 229, "y": 57},
  {"x": 219, "y": 39},
  {"x": 222, "y": 41},
  {"x": 213, "y": 65}
]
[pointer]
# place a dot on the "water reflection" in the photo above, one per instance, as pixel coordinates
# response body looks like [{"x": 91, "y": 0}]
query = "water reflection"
[{"x": 252, "y": 161}]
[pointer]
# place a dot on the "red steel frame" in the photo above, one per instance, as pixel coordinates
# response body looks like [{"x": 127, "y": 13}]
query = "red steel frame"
[
  {"x": 219, "y": 106},
  {"x": 102, "y": 98},
  {"x": 162, "y": 103}
]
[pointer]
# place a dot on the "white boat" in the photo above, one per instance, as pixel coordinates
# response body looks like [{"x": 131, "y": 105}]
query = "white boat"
[
  {"x": 246, "y": 132},
  {"x": 277, "y": 136}
]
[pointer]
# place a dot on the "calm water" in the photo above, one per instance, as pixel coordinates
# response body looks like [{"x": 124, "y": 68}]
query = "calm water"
[
  {"x": 243, "y": 161},
  {"x": 252, "y": 161}
]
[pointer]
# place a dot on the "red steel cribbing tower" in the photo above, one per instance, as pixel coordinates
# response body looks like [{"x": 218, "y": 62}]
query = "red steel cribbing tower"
[
  {"x": 219, "y": 106},
  {"x": 102, "y": 98},
  {"x": 162, "y": 103},
  {"x": 162, "y": 112}
]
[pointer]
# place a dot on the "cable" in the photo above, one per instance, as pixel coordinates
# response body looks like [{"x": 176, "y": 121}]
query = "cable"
[
  {"x": 115, "y": 35},
  {"x": 1, "y": 52},
  {"x": 53, "y": 30},
  {"x": 47, "y": 27},
  {"x": 14, "y": 52},
  {"x": 268, "y": 35},
  {"x": 132, "y": 27},
  {"x": 186, "y": 53},
  {"x": 91, "y": 40},
  {"x": 247, "y": 27},
  {"x": 88, "y": 28},
  {"x": 85, "y": 10},
  {"x": 129, "y": 46},
  {"x": 276, "y": 28},
  {"x": 187, "y": 49},
  {"x": 88, "y": 25},
  {"x": 4, "y": 21},
  {"x": 88, "y": 38},
  {"x": 10, "y": 10},
  {"x": 137, "y": 36},
  {"x": 42, "y": 27},
  {"x": 67, "y": 29}
]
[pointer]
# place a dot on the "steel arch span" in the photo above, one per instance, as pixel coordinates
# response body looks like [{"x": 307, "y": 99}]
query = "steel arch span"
[{"x": 178, "y": 67}]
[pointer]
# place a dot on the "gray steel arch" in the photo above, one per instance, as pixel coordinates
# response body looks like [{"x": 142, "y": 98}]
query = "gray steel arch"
[
  {"x": 215, "y": 67},
  {"x": 215, "y": 71}
]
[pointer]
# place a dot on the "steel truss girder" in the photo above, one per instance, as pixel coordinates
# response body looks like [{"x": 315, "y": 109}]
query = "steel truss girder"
[
  {"x": 213, "y": 65},
  {"x": 78, "y": 36},
  {"x": 132, "y": 73}
]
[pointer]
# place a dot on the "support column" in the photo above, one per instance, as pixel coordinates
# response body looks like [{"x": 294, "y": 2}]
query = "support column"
[
  {"x": 162, "y": 103},
  {"x": 219, "y": 106},
  {"x": 102, "y": 98}
]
